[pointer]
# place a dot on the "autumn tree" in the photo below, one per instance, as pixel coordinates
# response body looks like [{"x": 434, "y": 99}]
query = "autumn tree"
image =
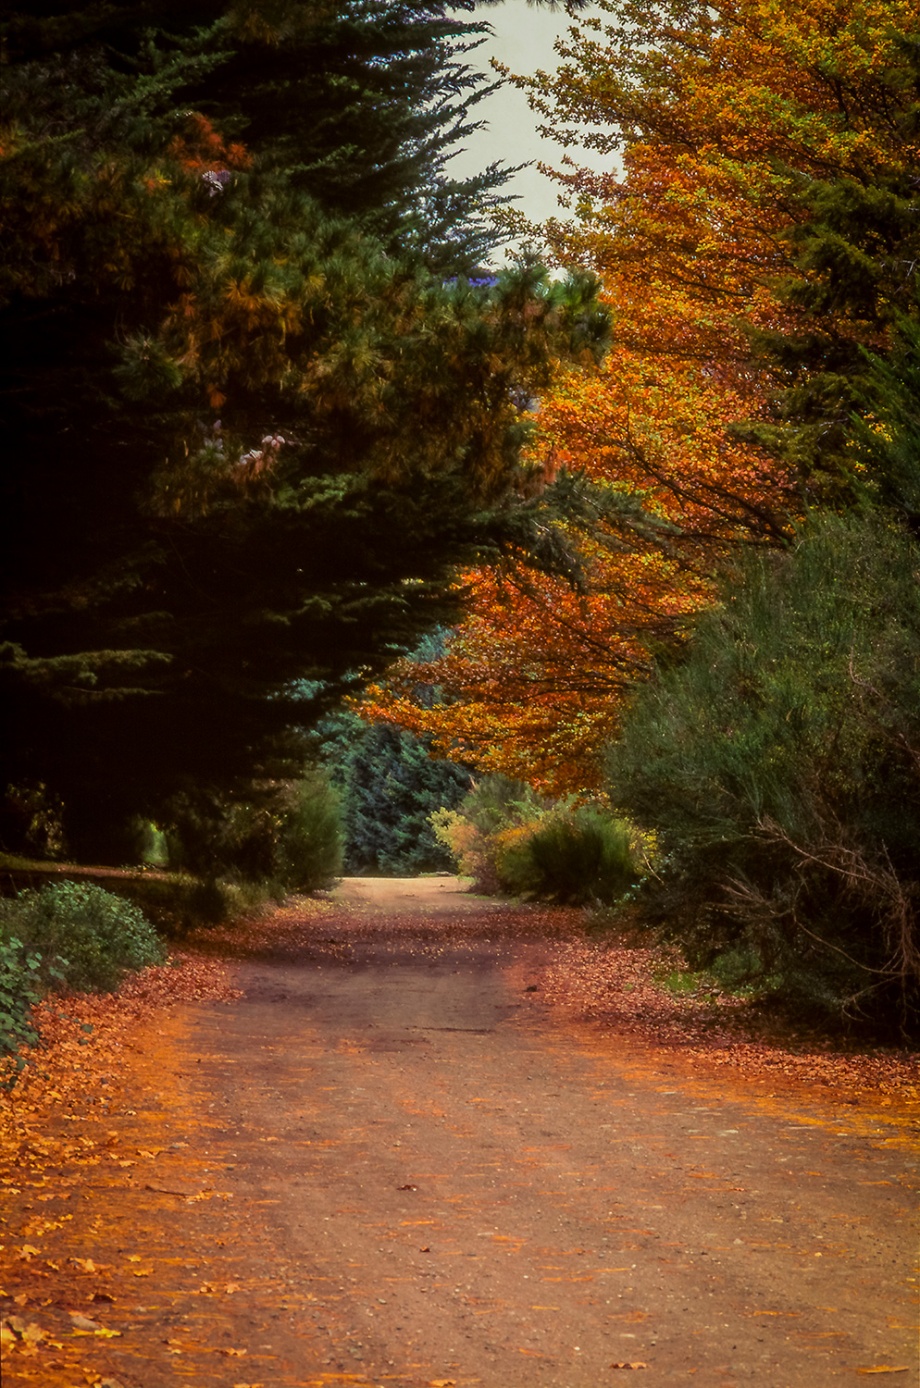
[{"x": 755, "y": 232}]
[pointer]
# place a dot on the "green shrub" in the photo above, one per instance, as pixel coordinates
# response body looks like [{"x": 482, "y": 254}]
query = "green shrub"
[
  {"x": 573, "y": 855},
  {"x": 779, "y": 768},
  {"x": 509, "y": 839},
  {"x": 282, "y": 835},
  {"x": 85, "y": 937},
  {"x": 308, "y": 852},
  {"x": 20, "y": 988},
  {"x": 496, "y": 805}
]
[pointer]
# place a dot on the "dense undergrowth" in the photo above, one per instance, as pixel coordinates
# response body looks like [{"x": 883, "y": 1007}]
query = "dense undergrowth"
[
  {"x": 777, "y": 767},
  {"x": 66, "y": 937},
  {"x": 509, "y": 839}
]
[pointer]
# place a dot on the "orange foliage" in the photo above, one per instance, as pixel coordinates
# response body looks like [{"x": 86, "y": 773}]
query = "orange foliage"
[
  {"x": 714, "y": 117},
  {"x": 201, "y": 147}
]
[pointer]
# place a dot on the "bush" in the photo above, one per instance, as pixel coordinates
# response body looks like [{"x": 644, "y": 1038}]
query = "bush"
[
  {"x": 308, "y": 852},
  {"x": 495, "y": 805},
  {"x": 20, "y": 988},
  {"x": 780, "y": 767},
  {"x": 84, "y": 937},
  {"x": 573, "y": 855},
  {"x": 509, "y": 839},
  {"x": 283, "y": 835}
]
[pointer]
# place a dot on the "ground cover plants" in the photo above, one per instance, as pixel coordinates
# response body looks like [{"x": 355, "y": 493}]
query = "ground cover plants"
[
  {"x": 509, "y": 839},
  {"x": 66, "y": 937}
]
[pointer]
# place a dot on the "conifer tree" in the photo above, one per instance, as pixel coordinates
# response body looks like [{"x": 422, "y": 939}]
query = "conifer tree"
[{"x": 249, "y": 441}]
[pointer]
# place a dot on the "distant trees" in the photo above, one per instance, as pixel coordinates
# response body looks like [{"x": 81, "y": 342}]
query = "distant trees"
[{"x": 390, "y": 787}]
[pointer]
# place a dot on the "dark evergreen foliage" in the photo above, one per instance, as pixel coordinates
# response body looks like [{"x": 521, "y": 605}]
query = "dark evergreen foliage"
[
  {"x": 361, "y": 103},
  {"x": 390, "y": 786},
  {"x": 854, "y": 251},
  {"x": 248, "y": 443}
]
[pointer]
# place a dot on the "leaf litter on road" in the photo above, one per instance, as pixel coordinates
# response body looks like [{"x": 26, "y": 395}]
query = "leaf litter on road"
[{"x": 55, "y": 1140}]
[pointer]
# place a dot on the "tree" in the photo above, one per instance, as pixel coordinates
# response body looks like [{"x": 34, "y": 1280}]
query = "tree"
[
  {"x": 250, "y": 443},
  {"x": 391, "y": 788},
  {"x": 755, "y": 232},
  {"x": 361, "y": 104}
]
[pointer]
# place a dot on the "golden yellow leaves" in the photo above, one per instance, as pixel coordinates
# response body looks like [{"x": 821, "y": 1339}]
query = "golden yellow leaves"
[
  {"x": 24, "y": 1337},
  {"x": 885, "y": 1369},
  {"x": 36, "y": 1227}
]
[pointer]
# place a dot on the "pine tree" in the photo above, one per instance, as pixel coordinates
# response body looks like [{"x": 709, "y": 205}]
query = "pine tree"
[
  {"x": 391, "y": 786},
  {"x": 249, "y": 443},
  {"x": 361, "y": 103}
]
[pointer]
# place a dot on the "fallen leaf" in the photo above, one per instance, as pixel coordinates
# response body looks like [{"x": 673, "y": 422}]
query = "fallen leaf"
[
  {"x": 237, "y": 1353},
  {"x": 632, "y": 1364},
  {"x": 81, "y": 1322},
  {"x": 86, "y": 1264},
  {"x": 884, "y": 1369}
]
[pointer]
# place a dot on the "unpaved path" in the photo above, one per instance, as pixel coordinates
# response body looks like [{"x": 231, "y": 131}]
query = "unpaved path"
[{"x": 390, "y": 1163}]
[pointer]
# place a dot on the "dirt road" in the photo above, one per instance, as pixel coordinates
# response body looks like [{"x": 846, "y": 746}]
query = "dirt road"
[{"x": 391, "y": 1163}]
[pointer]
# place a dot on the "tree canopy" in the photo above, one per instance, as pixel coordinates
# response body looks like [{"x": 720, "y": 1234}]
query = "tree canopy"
[
  {"x": 257, "y": 407},
  {"x": 755, "y": 234}
]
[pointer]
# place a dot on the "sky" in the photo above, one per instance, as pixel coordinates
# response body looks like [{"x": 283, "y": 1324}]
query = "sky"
[{"x": 523, "y": 39}]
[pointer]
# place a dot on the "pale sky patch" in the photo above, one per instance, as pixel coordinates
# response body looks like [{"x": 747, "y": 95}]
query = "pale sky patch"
[{"x": 524, "y": 39}]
